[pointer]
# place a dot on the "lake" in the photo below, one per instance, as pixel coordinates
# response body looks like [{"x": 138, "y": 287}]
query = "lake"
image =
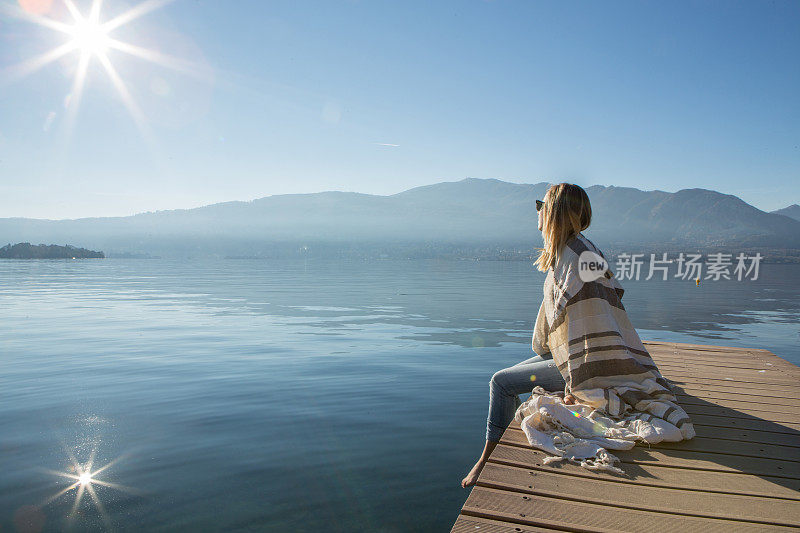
[{"x": 243, "y": 395}]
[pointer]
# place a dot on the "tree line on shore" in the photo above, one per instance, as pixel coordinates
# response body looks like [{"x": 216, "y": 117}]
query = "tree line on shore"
[{"x": 26, "y": 250}]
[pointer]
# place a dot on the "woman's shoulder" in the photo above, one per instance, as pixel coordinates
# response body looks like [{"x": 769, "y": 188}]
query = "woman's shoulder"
[
  {"x": 579, "y": 243},
  {"x": 572, "y": 253},
  {"x": 587, "y": 244}
]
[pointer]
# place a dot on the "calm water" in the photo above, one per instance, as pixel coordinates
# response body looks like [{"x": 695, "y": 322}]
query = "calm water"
[{"x": 238, "y": 395}]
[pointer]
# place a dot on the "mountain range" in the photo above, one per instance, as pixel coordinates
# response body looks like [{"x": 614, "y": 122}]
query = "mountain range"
[
  {"x": 470, "y": 214},
  {"x": 792, "y": 211}
]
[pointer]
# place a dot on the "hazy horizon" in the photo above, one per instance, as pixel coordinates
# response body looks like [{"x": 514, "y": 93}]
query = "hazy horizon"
[{"x": 361, "y": 192}]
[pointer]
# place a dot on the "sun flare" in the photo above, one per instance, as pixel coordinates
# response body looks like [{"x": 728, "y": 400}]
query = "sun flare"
[
  {"x": 90, "y": 37},
  {"x": 84, "y": 481}
]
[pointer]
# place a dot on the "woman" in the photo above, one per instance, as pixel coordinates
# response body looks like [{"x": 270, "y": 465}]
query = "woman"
[{"x": 564, "y": 213}]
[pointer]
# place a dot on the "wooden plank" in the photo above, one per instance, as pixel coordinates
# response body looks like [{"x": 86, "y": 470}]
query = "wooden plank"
[
  {"x": 733, "y": 371},
  {"x": 712, "y": 397},
  {"x": 688, "y": 356},
  {"x": 716, "y": 410},
  {"x": 743, "y": 435},
  {"x": 750, "y": 424},
  {"x": 558, "y": 512},
  {"x": 710, "y": 348},
  {"x": 710, "y": 351},
  {"x": 762, "y": 378},
  {"x": 730, "y": 447},
  {"x": 751, "y": 382},
  {"x": 772, "y": 374},
  {"x": 656, "y": 475},
  {"x": 710, "y": 366},
  {"x": 474, "y": 524},
  {"x": 728, "y": 374},
  {"x": 715, "y": 368},
  {"x": 689, "y": 459},
  {"x": 738, "y": 405},
  {"x": 730, "y": 385},
  {"x": 706, "y": 347},
  {"x": 722, "y": 380},
  {"x": 700, "y": 354},
  {"x": 755, "y": 381},
  {"x": 731, "y": 393},
  {"x": 614, "y": 493}
]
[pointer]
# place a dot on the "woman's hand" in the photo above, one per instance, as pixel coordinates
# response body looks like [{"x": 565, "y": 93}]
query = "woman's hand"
[{"x": 569, "y": 399}]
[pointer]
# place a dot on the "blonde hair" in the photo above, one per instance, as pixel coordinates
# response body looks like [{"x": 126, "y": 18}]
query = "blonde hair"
[{"x": 566, "y": 212}]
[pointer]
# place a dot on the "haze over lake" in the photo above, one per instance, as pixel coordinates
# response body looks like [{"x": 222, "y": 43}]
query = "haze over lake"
[{"x": 293, "y": 395}]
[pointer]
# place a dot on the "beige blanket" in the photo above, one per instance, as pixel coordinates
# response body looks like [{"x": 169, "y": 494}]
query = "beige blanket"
[{"x": 583, "y": 324}]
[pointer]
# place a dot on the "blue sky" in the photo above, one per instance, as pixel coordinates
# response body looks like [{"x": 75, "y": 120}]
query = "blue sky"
[{"x": 274, "y": 97}]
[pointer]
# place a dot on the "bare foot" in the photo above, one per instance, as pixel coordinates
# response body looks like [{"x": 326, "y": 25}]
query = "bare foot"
[{"x": 472, "y": 477}]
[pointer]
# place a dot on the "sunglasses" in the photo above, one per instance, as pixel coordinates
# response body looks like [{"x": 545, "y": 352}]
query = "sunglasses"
[{"x": 539, "y": 205}]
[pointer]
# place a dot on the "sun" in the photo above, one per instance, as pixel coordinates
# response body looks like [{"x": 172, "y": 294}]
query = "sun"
[
  {"x": 90, "y": 37},
  {"x": 91, "y": 40}
]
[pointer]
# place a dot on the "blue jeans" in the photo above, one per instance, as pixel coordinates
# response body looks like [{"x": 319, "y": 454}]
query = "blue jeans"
[{"x": 506, "y": 385}]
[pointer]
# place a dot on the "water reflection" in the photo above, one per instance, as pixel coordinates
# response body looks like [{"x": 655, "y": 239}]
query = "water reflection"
[{"x": 253, "y": 391}]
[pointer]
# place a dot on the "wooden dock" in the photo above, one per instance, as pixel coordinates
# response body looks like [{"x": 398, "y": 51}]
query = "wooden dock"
[{"x": 740, "y": 473}]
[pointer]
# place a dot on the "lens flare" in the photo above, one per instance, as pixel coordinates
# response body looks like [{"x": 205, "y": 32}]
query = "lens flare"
[
  {"x": 85, "y": 481},
  {"x": 91, "y": 39},
  {"x": 37, "y": 7}
]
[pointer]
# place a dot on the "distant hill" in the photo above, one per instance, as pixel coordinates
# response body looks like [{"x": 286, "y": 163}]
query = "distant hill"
[
  {"x": 793, "y": 211},
  {"x": 26, "y": 250},
  {"x": 465, "y": 218}
]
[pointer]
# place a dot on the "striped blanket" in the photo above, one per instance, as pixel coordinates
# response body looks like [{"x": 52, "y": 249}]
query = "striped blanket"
[{"x": 585, "y": 328}]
